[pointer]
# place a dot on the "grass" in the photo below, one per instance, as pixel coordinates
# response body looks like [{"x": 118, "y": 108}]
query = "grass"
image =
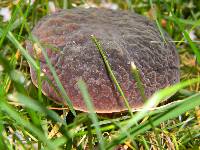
[
  {"x": 28, "y": 122},
  {"x": 111, "y": 74}
]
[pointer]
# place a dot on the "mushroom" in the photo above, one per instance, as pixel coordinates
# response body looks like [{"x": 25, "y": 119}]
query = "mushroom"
[{"x": 125, "y": 36}]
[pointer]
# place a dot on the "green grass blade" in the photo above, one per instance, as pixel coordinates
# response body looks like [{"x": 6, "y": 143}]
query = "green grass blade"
[
  {"x": 136, "y": 76},
  {"x": 192, "y": 45},
  {"x": 151, "y": 112},
  {"x": 158, "y": 97},
  {"x": 190, "y": 103},
  {"x": 183, "y": 21},
  {"x": 32, "y": 62},
  {"x": 154, "y": 100},
  {"x": 2, "y": 143},
  {"x": 111, "y": 74},
  {"x": 36, "y": 106},
  {"x": 55, "y": 76},
  {"x": 22, "y": 122},
  {"x": 92, "y": 114},
  {"x": 157, "y": 22},
  {"x": 187, "y": 37},
  {"x": 24, "y": 16},
  {"x": 20, "y": 48},
  {"x": 8, "y": 27},
  {"x": 67, "y": 4}
]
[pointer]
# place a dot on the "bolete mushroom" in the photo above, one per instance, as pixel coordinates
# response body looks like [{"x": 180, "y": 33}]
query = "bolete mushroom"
[{"x": 125, "y": 36}]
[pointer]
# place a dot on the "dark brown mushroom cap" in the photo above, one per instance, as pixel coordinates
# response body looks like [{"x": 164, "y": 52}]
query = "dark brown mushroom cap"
[{"x": 125, "y": 36}]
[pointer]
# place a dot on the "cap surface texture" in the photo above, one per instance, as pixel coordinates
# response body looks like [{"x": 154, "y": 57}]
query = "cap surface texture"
[{"x": 125, "y": 36}]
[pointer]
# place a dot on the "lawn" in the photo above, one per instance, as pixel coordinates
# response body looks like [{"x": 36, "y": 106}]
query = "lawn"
[{"x": 30, "y": 120}]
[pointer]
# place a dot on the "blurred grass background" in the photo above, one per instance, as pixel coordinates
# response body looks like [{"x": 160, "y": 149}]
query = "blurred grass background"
[{"x": 28, "y": 120}]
